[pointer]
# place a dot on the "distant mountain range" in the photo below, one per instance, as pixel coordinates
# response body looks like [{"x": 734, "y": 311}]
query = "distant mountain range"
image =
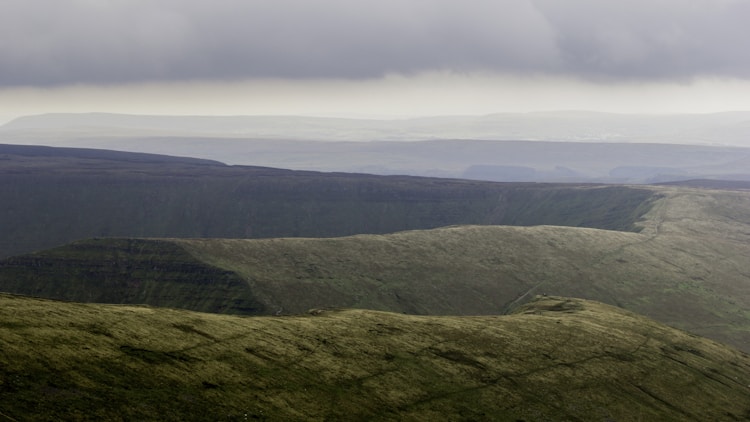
[{"x": 536, "y": 147}]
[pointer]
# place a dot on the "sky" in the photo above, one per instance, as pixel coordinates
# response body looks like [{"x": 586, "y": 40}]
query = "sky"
[{"x": 385, "y": 58}]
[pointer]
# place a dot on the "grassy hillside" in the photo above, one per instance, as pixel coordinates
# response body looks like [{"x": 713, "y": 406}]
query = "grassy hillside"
[
  {"x": 553, "y": 359},
  {"x": 687, "y": 267},
  {"x": 52, "y": 196}
]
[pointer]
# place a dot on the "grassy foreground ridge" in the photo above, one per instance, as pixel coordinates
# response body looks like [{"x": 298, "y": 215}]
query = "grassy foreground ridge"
[{"x": 552, "y": 359}]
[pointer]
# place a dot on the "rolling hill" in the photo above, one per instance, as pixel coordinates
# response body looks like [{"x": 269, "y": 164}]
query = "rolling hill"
[
  {"x": 552, "y": 359},
  {"x": 686, "y": 267}
]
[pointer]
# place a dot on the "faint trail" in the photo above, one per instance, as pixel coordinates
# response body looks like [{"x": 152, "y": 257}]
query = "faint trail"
[{"x": 8, "y": 417}]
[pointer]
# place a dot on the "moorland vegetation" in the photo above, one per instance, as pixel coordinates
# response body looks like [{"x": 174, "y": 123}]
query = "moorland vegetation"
[{"x": 552, "y": 359}]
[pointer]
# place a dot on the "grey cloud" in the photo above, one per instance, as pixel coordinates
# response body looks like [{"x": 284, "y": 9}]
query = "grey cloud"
[
  {"x": 651, "y": 39},
  {"x": 53, "y": 42}
]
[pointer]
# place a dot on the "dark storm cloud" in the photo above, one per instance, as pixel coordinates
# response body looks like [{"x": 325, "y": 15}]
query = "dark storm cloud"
[{"x": 52, "y": 42}]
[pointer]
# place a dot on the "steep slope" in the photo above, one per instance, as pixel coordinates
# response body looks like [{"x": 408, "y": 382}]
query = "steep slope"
[
  {"x": 52, "y": 196},
  {"x": 154, "y": 272},
  {"x": 554, "y": 359}
]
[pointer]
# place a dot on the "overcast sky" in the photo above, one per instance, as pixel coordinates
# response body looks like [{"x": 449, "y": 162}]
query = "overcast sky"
[{"x": 377, "y": 58}]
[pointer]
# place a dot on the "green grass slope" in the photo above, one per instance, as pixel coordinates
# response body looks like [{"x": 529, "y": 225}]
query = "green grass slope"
[
  {"x": 687, "y": 267},
  {"x": 553, "y": 359}
]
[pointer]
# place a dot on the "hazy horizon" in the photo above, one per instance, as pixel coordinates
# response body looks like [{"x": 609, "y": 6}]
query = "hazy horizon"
[{"x": 61, "y": 129}]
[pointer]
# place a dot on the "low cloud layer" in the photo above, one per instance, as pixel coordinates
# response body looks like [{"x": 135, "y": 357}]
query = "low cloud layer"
[{"x": 62, "y": 42}]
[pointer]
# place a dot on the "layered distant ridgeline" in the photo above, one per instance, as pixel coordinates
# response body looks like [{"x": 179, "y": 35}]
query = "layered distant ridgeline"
[
  {"x": 52, "y": 196},
  {"x": 552, "y": 359}
]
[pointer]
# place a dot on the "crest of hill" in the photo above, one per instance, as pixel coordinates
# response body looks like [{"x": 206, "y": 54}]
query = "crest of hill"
[
  {"x": 553, "y": 359},
  {"x": 63, "y": 158}
]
